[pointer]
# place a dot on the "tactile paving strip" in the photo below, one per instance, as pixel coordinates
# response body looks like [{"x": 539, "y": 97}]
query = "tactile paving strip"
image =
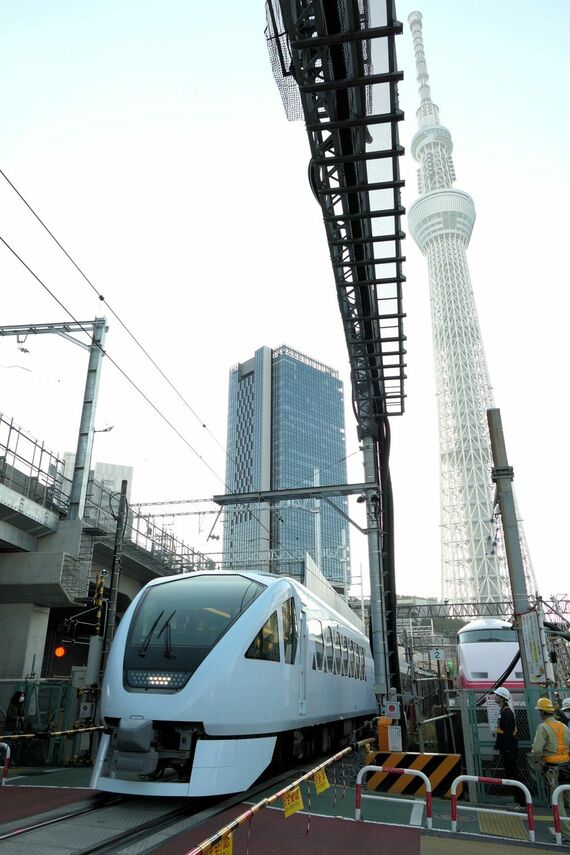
[{"x": 503, "y": 826}]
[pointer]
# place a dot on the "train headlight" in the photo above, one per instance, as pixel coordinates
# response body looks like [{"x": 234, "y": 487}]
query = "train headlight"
[{"x": 157, "y": 679}]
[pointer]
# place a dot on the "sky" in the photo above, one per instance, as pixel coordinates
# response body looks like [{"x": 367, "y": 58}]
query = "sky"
[{"x": 151, "y": 139}]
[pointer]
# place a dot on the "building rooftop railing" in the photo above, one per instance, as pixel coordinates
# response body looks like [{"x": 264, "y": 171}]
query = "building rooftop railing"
[{"x": 29, "y": 468}]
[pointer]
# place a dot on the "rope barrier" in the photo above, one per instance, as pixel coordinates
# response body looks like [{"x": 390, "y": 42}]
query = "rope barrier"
[
  {"x": 47, "y": 734},
  {"x": 207, "y": 844}
]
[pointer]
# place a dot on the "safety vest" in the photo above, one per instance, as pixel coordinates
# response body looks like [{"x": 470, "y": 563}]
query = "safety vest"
[{"x": 561, "y": 755}]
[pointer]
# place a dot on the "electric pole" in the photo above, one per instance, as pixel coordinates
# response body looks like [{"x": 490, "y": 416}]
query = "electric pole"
[{"x": 116, "y": 569}]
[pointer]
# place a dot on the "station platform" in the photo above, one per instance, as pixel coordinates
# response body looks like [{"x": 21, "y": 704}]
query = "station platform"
[{"x": 325, "y": 825}]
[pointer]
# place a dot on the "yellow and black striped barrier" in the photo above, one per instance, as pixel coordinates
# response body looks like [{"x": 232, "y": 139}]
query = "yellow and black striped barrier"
[{"x": 441, "y": 769}]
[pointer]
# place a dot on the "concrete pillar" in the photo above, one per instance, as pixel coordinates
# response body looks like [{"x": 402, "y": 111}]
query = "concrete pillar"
[{"x": 24, "y": 629}]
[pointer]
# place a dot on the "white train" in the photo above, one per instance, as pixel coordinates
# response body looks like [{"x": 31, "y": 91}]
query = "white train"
[
  {"x": 212, "y": 676},
  {"x": 485, "y": 649}
]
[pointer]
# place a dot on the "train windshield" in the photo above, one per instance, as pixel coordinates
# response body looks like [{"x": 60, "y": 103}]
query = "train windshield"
[
  {"x": 481, "y": 635},
  {"x": 178, "y": 623}
]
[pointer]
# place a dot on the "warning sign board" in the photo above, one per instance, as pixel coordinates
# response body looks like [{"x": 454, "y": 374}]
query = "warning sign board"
[
  {"x": 292, "y": 802},
  {"x": 394, "y": 738},
  {"x": 392, "y": 709},
  {"x": 441, "y": 769},
  {"x": 321, "y": 781},
  {"x": 533, "y": 647},
  {"x": 224, "y": 846}
]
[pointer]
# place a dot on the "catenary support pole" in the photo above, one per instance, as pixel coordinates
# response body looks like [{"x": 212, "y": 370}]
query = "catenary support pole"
[
  {"x": 377, "y": 614},
  {"x": 502, "y": 475},
  {"x": 86, "y": 426},
  {"x": 116, "y": 569}
]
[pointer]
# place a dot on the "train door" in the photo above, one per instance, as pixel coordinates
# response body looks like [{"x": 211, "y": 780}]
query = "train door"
[{"x": 303, "y": 663}]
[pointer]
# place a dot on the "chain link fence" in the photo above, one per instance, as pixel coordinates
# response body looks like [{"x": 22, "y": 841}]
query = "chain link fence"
[{"x": 49, "y": 705}]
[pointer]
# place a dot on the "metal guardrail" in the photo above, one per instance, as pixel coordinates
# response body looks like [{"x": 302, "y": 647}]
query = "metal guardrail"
[
  {"x": 503, "y": 782},
  {"x": 394, "y": 771},
  {"x": 562, "y": 788}
]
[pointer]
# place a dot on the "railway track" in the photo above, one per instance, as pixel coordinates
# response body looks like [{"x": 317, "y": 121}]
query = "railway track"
[{"x": 117, "y": 824}]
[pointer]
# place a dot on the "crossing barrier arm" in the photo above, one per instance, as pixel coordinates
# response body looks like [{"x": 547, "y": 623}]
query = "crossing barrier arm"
[
  {"x": 500, "y": 782},
  {"x": 206, "y": 845},
  {"x": 394, "y": 771}
]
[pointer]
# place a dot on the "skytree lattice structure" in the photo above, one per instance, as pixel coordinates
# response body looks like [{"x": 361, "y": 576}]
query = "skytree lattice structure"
[{"x": 441, "y": 221}]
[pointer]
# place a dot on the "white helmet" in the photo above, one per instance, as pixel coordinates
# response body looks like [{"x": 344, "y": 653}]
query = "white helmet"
[
  {"x": 502, "y": 693},
  {"x": 565, "y": 705}
]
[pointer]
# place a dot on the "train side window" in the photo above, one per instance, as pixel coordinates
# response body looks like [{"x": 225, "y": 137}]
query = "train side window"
[
  {"x": 316, "y": 630},
  {"x": 337, "y": 654},
  {"x": 344, "y": 656},
  {"x": 265, "y": 645},
  {"x": 351, "y": 658},
  {"x": 329, "y": 649},
  {"x": 357, "y": 661},
  {"x": 289, "y": 616}
]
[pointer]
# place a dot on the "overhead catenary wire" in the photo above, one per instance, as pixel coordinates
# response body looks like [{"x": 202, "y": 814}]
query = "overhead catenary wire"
[
  {"x": 126, "y": 376},
  {"x": 127, "y": 330},
  {"x": 112, "y": 361},
  {"x": 102, "y": 298}
]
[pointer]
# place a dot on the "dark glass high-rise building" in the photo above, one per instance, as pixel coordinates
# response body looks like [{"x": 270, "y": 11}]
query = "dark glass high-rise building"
[{"x": 285, "y": 431}]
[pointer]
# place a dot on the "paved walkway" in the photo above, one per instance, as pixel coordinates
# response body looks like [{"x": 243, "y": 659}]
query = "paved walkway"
[{"x": 389, "y": 828}]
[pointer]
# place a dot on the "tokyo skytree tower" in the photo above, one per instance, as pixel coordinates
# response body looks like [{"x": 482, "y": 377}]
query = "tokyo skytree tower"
[{"x": 441, "y": 221}]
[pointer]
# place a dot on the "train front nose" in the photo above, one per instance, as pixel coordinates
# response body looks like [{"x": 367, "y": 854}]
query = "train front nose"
[{"x": 133, "y": 746}]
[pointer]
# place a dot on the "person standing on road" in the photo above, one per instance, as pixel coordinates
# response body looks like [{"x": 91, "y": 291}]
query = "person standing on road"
[
  {"x": 16, "y": 713},
  {"x": 507, "y": 742},
  {"x": 551, "y": 751},
  {"x": 15, "y": 723}
]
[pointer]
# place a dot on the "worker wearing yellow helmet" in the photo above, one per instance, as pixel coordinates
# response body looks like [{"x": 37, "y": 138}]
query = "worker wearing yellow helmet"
[{"x": 551, "y": 749}]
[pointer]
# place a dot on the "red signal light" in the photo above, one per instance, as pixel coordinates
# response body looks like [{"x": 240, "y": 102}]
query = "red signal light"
[{"x": 60, "y": 651}]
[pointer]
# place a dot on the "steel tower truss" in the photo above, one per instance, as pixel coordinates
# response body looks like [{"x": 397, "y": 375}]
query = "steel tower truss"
[
  {"x": 441, "y": 221},
  {"x": 335, "y": 65}
]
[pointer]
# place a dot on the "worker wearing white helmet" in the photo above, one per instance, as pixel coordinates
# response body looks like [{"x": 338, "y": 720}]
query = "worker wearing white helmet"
[
  {"x": 501, "y": 692},
  {"x": 565, "y": 711},
  {"x": 507, "y": 741}
]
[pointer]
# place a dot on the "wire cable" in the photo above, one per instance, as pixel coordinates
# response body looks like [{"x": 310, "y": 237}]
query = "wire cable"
[
  {"x": 115, "y": 315},
  {"x": 113, "y": 362},
  {"x": 102, "y": 298},
  {"x": 128, "y": 331},
  {"x": 126, "y": 376}
]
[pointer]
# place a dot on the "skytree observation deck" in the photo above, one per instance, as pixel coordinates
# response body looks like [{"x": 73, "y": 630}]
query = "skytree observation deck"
[{"x": 335, "y": 65}]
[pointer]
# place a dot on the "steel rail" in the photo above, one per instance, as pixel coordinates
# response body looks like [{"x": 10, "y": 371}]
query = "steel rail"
[{"x": 19, "y": 832}]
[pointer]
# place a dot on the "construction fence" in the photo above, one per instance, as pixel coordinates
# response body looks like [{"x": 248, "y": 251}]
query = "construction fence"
[
  {"x": 475, "y": 716},
  {"x": 49, "y": 706}
]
